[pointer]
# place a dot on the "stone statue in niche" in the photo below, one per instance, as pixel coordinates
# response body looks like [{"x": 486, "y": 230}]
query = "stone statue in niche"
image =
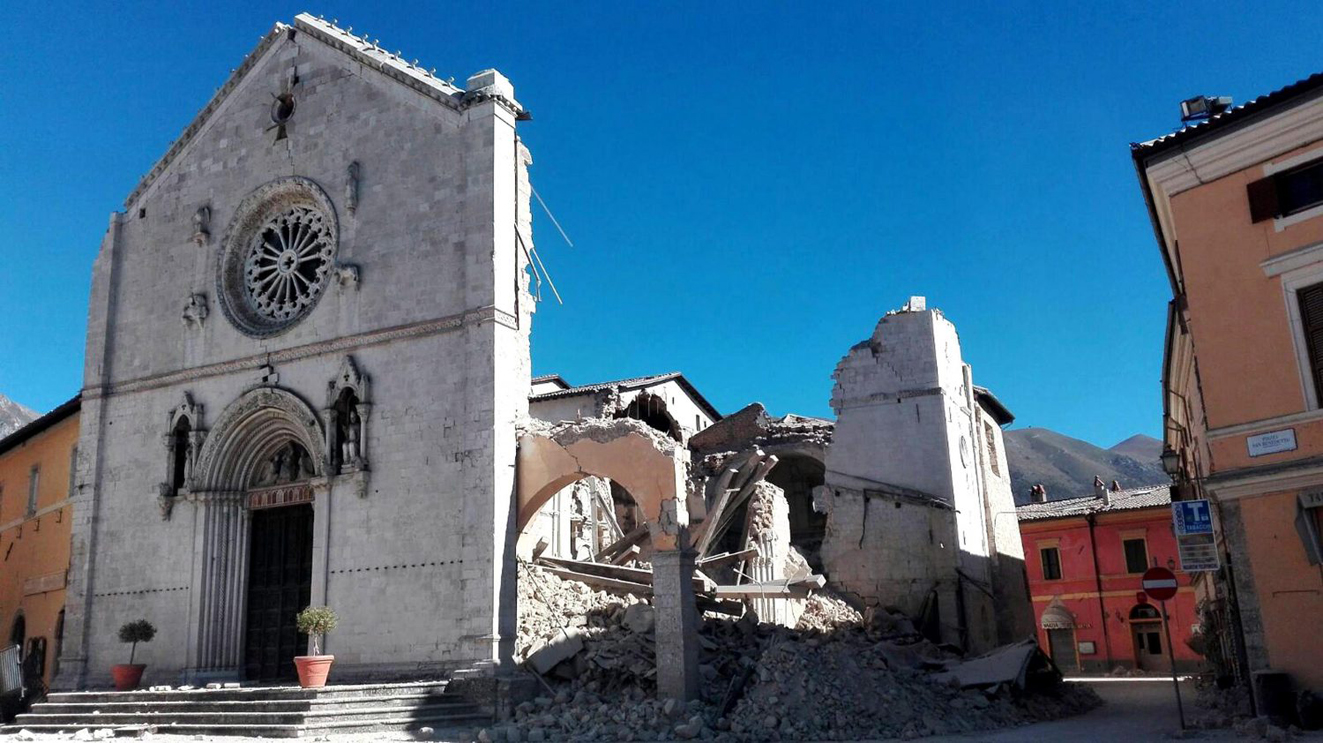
[
  {"x": 202, "y": 225},
  {"x": 347, "y": 410},
  {"x": 349, "y": 455},
  {"x": 348, "y": 431}
]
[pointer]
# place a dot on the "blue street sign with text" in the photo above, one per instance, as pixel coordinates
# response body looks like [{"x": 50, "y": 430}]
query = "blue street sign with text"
[{"x": 1192, "y": 517}]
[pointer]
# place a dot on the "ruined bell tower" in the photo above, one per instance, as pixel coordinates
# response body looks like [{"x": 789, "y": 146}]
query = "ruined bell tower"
[{"x": 909, "y": 517}]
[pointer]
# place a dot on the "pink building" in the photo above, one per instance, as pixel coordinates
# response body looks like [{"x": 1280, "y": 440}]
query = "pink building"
[{"x": 1085, "y": 557}]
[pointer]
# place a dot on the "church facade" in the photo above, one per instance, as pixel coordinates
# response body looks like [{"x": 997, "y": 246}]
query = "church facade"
[{"x": 307, "y": 349}]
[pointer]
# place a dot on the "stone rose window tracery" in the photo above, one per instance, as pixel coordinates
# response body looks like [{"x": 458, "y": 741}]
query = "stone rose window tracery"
[
  {"x": 288, "y": 262},
  {"x": 277, "y": 256}
]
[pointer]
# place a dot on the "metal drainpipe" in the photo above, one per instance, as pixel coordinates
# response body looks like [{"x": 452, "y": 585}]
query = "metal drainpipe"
[{"x": 1097, "y": 577}]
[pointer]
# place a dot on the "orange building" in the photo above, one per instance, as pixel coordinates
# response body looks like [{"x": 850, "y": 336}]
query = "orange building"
[
  {"x": 1236, "y": 201},
  {"x": 36, "y": 480}
]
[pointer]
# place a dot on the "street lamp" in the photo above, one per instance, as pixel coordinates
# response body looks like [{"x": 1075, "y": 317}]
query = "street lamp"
[{"x": 1171, "y": 461}]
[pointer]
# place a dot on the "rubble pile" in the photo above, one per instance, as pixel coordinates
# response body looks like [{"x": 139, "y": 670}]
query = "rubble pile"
[
  {"x": 824, "y": 613},
  {"x": 833, "y": 677},
  {"x": 850, "y": 686}
]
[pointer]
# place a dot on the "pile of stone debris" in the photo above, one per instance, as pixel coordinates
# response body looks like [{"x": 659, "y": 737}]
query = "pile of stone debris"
[{"x": 835, "y": 676}]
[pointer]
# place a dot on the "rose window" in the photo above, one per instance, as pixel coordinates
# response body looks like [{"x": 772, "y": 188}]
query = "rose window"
[
  {"x": 277, "y": 256},
  {"x": 287, "y": 263}
]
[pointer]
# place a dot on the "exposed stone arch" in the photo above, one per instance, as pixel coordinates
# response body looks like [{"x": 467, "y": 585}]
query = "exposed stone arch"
[
  {"x": 651, "y": 409},
  {"x": 250, "y": 431},
  {"x": 799, "y": 471},
  {"x": 646, "y": 463}
]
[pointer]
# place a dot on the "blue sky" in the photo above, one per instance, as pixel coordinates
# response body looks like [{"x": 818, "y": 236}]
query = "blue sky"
[{"x": 748, "y": 186}]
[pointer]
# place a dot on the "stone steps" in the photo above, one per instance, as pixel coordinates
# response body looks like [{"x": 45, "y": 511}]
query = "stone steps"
[{"x": 277, "y": 712}]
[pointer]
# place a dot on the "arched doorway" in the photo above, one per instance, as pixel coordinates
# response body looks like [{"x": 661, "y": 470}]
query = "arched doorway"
[
  {"x": 797, "y": 475},
  {"x": 279, "y": 499},
  {"x": 255, "y": 482},
  {"x": 1059, "y": 624},
  {"x": 1146, "y": 632}
]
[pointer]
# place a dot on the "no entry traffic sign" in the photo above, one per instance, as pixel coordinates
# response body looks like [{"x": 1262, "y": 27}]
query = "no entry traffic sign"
[{"x": 1159, "y": 583}]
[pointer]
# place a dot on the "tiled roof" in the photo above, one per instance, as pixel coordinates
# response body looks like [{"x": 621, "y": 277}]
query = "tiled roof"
[
  {"x": 1149, "y": 496},
  {"x": 1230, "y": 117},
  {"x": 27, "y": 432},
  {"x": 631, "y": 384}
]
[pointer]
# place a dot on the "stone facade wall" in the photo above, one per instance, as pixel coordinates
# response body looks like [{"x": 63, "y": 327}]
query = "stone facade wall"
[
  {"x": 413, "y": 553},
  {"x": 1010, "y": 583}
]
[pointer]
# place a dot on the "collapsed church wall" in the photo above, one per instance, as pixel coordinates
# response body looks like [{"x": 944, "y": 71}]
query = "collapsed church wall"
[
  {"x": 391, "y": 355},
  {"x": 909, "y": 486}
]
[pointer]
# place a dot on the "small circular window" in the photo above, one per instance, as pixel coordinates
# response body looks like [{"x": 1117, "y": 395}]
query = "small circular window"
[{"x": 277, "y": 256}]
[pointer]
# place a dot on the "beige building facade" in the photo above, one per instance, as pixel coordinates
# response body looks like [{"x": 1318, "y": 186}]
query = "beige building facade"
[{"x": 1237, "y": 207}]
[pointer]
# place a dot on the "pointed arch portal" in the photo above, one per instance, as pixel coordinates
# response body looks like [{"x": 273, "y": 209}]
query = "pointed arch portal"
[{"x": 255, "y": 485}]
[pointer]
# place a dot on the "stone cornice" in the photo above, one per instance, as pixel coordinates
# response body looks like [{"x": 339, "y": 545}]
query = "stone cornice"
[{"x": 335, "y": 346}]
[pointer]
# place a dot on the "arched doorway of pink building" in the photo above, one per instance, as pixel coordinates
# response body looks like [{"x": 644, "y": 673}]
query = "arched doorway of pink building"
[
  {"x": 1059, "y": 624},
  {"x": 1146, "y": 632}
]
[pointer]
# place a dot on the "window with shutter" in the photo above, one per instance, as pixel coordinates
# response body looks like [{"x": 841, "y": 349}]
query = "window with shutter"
[
  {"x": 1136, "y": 555},
  {"x": 1286, "y": 193},
  {"x": 1311, "y": 321}
]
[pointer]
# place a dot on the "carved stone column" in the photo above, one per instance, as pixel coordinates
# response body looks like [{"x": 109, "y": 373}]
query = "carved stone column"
[
  {"x": 364, "y": 410},
  {"x": 169, "y": 481},
  {"x": 332, "y": 463},
  {"x": 221, "y": 541}
]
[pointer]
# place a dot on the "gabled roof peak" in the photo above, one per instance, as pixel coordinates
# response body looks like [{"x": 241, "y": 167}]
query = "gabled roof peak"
[{"x": 482, "y": 86}]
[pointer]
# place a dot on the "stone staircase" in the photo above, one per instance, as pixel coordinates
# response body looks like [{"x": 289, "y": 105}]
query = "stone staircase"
[{"x": 260, "y": 711}]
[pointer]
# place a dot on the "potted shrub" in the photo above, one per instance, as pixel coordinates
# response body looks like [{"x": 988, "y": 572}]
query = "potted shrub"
[
  {"x": 127, "y": 675},
  {"x": 314, "y": 621}
]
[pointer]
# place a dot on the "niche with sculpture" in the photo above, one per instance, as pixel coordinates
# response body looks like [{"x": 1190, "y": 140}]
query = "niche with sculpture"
[
  {"x": 183, "y": 441},
  {"x": 347, "y": 410}
]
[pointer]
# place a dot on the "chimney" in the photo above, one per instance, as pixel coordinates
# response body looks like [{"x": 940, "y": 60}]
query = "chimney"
[
  {"x": 1116, "y": 486},
  {"x": 1038, "y": 494},
  {"x": 1100, "y": 491}
]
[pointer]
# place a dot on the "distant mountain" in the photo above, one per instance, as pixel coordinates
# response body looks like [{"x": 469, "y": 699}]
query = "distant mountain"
[
  {"x": 1067, "y": 466},
  {"x": 1140, "y": 448},
  {"x": 14, "y": 416}
]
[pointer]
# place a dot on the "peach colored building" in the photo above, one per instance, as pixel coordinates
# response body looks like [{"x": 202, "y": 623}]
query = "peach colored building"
[
  {"x": 1236, "y": 203},
  {"x": 35, "y": 515}
]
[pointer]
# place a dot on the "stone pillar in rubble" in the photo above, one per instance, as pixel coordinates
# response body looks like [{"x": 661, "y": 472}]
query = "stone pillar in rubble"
[{"x": 677, "y": 624}]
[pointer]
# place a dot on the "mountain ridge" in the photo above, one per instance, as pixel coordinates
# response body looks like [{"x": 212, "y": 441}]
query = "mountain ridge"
[
  {"x": 1066, "y": 466},
  {"x": 14, "y": 416}
]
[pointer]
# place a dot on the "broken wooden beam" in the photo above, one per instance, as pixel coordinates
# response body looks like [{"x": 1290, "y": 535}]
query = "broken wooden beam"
[
  {"x": 636, "y": 535},
  {"x": 606, "y": 570},
  {"x": 611, "y": 585},
  {"x": 778, "y": 589}
]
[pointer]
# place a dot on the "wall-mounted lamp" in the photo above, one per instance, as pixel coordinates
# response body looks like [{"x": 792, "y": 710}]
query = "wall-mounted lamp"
[{"x": 1171, "y": 461}]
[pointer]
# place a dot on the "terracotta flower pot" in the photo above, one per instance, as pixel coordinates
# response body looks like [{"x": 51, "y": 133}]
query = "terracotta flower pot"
[
  {"x": 127, "y": 675},
  {"x": 313, "y": 669}
]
